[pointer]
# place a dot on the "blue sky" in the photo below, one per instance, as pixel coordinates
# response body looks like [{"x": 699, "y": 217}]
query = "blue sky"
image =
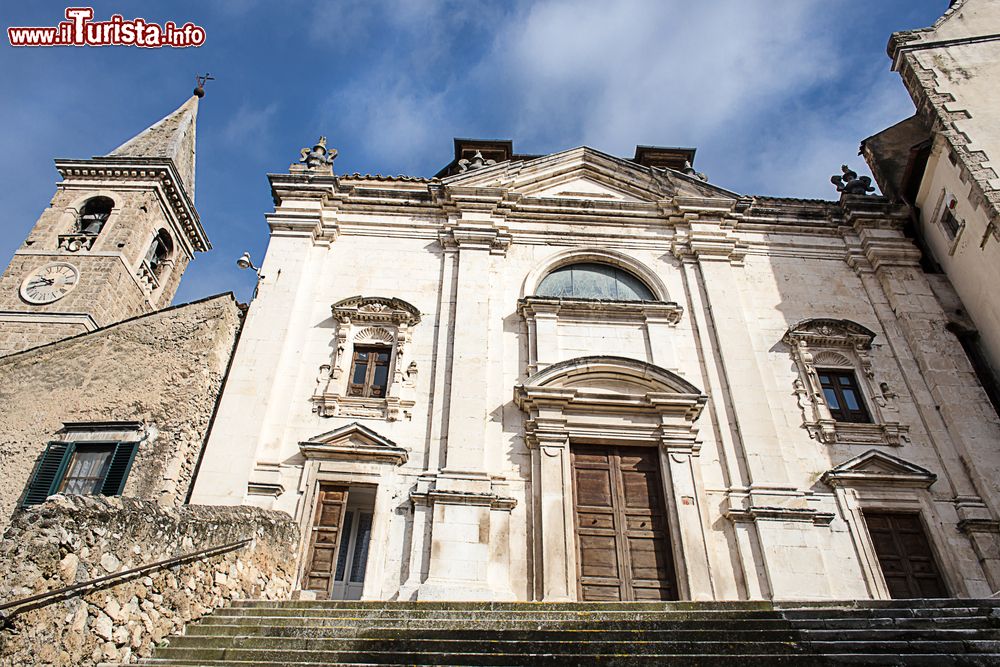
[{"x": 774, "y": 94}]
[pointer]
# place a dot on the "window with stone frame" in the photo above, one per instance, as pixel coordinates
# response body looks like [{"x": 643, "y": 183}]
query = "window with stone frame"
[
  {"x": 88, "y": 459},
  {"x": 371, "y": 373},
  {"x": 836, "y": 389},
  {"x": 843, "y": 396},
  {"x": 950, "y": 223}
]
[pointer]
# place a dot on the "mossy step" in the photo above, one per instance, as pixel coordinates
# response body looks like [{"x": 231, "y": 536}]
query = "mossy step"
[
  {"x": 903, "y": 622},
  {"x": 602, "y": 633},
  {"x": 510, "y": 659},
  {"x": 704, "y": 660},
  {"x": 420, "y": 624},
  {"x": 938, "y": 612},
  {"x": 724, "y": 605},
  {"x": 537, "y": 614},
  {"x": 217, "y": 647},
  {"x": 700, "y": 660}
]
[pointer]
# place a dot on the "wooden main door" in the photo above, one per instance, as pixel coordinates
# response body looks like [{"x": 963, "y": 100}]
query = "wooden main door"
[
  {"x": 622, "y": 535},
  {"x": 905, "y": 555},
  {"x": 328, "y": 523}
]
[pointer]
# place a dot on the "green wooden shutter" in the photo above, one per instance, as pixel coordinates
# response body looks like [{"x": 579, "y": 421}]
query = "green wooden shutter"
[
  {"x": 121, "y": 463},
  {"x": 48, "y": 473}
]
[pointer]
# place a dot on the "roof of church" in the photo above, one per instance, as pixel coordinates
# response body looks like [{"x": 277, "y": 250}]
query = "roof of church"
[{"x": 173, "y": 137}]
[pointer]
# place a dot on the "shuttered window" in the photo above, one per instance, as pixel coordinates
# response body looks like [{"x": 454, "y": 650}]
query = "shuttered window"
[{"x": 81, "y": 468}]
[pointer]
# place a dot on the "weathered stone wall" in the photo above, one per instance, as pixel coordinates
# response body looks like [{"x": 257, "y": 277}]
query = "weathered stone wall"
[
  {"x": 163, "y": 369},
  {"x": 72, "y": 539}
]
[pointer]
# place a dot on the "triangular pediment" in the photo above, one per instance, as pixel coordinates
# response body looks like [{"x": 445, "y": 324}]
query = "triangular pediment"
[
  {"x": 878, "y": 468},
  {"x": 587, "y": 174},
  {"x": 353, "y": 442}
]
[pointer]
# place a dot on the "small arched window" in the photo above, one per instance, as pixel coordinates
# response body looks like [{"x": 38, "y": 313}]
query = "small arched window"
[
  {"x": 159, "y": 250},
  {"x": 94, "y": 215},
  {"x": 594, "y": 281}
]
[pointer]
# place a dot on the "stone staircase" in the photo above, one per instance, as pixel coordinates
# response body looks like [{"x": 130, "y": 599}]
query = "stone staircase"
[{"x": 898, "y": 632}]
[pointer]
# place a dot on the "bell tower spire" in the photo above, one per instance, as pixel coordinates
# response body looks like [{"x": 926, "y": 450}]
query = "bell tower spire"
[{"x": 114, "y": 241}]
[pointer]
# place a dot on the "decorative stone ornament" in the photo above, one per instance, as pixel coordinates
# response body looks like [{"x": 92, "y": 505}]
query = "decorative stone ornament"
[
  {"x": 477, "y": 162},
  {"x": 319, "y": 158},
  {"x": 848, "y": 183}
]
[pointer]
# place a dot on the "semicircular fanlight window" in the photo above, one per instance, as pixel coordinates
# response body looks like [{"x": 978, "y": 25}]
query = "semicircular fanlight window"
[{"x": 594, "y": 281}]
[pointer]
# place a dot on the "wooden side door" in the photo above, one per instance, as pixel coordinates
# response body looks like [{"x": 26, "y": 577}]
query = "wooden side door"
[
  {"x": 328, "y": 523},
  {"x": 905, "y": 556},
  {"x": 623, "y": 545}
]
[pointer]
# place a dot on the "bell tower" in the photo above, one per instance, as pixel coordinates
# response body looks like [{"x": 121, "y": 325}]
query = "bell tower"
[{"x": 113, "y": 242}]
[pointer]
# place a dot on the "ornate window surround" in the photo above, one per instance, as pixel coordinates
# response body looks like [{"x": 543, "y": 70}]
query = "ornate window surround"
[
  {"x": 369, "y": 321},
  {"x": 825, "y": 343}
]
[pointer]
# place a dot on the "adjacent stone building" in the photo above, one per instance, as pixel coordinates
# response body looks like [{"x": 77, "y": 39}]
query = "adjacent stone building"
[
  {"x": 107, "y": 388},
  {"x": 941, "y": 164}
]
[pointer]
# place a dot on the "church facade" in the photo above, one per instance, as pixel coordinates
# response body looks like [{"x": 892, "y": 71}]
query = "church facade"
[
  {"x": 561, "y": 377},
  {"x": 577, "y": 376}
]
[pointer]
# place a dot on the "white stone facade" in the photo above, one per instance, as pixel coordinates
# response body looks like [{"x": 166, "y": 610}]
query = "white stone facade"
[{"x": 491, "y": 385}]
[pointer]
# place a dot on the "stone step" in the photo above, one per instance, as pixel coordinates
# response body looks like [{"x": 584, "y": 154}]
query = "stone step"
[
  {"x": 489, "y": 624},
  {"x": 724, "y": 605},
  {"x": 554, "y": 632},
  {"x": 931, "y": 622},
  {"x": 632, "y": 660},
  {"x": 205, "y": 646},
  {"x": 891, "y": 612},
  {"x": 446, "y": 614},
  {"x": 303, "y": 650},
  {"x": 663, "y": 605}
]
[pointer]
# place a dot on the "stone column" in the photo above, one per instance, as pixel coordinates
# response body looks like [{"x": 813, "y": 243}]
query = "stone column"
[
  {"x": 555, "y": 556},
  {"x": 685, "y": 499},
  {"x": 462, "y": 496}
]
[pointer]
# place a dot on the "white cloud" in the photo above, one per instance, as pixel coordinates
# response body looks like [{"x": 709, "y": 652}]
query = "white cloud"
[
  {"x": 632, "y": 72},
  {"x": 250, "y": 126}
]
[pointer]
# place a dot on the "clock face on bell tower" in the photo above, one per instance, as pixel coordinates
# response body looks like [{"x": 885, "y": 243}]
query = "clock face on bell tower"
[{"x": 50, "y": 282}]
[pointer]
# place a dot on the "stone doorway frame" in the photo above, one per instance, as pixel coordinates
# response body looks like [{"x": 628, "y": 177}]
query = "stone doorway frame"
[
  {"x": 352, "y": 455},
  {"x": 877, "y": 481},
  {"x": 582, "y": 401}
]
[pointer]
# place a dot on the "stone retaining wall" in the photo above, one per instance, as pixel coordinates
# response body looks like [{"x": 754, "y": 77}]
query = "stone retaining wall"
[{"x": 72, "y": 539}]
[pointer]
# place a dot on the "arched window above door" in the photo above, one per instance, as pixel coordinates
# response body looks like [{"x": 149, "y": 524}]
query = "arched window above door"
[{"x": 591, "y": 280}]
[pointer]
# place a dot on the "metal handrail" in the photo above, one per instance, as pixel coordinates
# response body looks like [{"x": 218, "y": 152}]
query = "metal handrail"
[{"x": 10, "y": 609}]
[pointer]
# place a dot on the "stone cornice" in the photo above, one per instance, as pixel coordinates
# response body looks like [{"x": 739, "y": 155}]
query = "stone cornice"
[
  {"x": 160, "y": 171},
  {"x": 533, "y": 306},
  {"x": 450, "y": 497}
]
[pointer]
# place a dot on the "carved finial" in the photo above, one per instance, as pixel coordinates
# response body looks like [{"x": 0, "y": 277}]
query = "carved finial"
[
  {"x": 689, "y": 170},
  {"x": 849, "y": 183},
  {"x": 199, "y": 89},
  {"x": 476, "y": 162},
  {"x": 318, "y": 157}
]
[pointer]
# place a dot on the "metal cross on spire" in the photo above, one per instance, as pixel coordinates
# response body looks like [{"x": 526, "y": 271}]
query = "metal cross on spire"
[{"x": 199, "y": 90}]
